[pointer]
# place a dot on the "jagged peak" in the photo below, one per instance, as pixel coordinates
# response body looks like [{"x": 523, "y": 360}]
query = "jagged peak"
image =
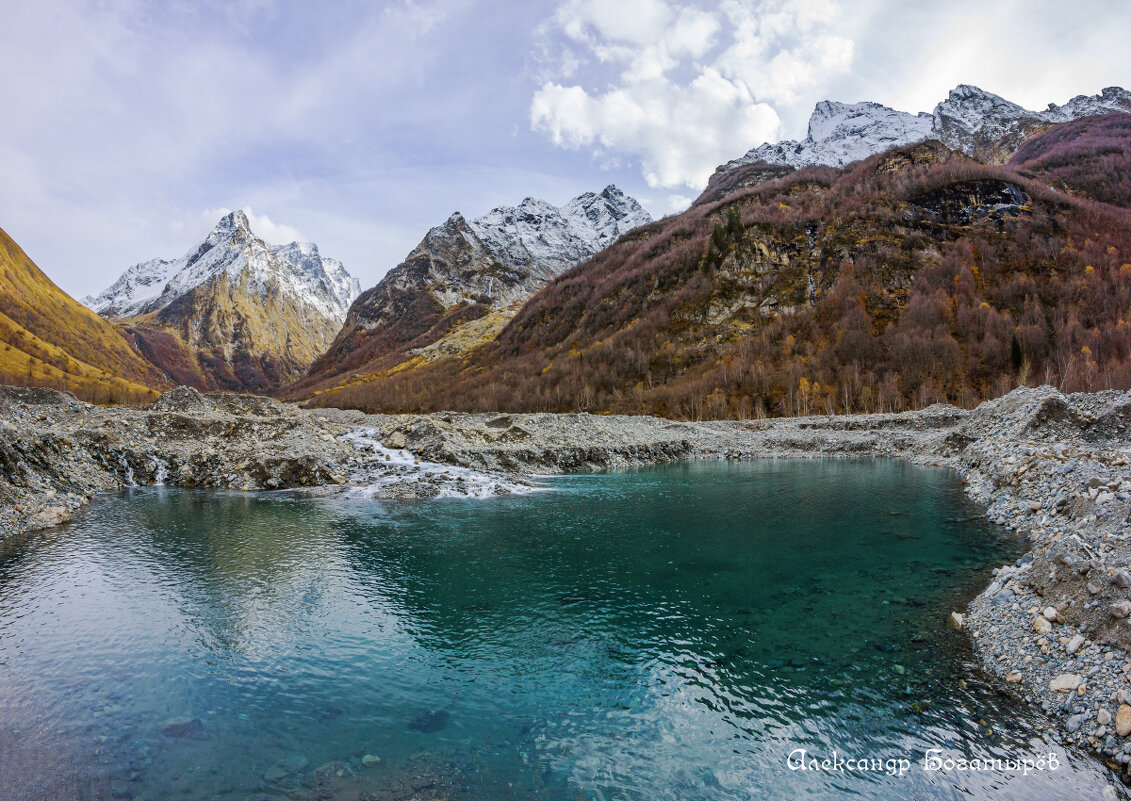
[
  {"x": 455, "y": 226},
  {"x": 964, "y": 90},
  {"x": 538, "y": 235},
  {"x": 831, "y": 117},
  {"x": 841, "y": 133},
  {"x": 836, "y": 108},
  {"x": 532, "y": 203},
  {"x": 230, "y": 223},
  {"x": 231, "y": 249},
  {"x": 611, "y": 198},
  {"x": 968, "y": 96},
  {"x": 305, "y": 248}
]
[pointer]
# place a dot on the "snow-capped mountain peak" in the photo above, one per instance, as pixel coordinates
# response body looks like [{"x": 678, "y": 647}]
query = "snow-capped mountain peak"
[
  {"x": 968, "y": 110},
  {"x": 317, "y": 269},
  {"x": 831, "y": 119},
  {"x": 232, "y": 249},
  {"x": 540, "y": 237},
  {"x": 970, "y": 119},
  {"x": 466, "y": 278},
  {"x": 840, "y": 133},
  {"x": 228, "y": 225},
  {"x": 607, "y": 215}
]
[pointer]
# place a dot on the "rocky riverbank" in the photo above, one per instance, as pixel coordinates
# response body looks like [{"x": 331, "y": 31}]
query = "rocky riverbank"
[{"x": 1054, "y": 627}]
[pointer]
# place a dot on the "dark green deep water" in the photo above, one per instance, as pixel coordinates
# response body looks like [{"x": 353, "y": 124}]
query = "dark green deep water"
[{"x": 669, "y": 633}]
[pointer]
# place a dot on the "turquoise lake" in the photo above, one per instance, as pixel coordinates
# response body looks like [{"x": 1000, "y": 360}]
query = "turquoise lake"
[{"x": 665, "y": 633}]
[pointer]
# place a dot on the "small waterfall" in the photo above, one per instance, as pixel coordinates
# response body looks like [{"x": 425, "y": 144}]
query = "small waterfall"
[
  {"x": 385, "y": 468},
  {"x": 130, "y": 481},
  {"x": 160, "y": 470}
]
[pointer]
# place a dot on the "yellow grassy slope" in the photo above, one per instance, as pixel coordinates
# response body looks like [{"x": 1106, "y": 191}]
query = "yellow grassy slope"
[{"x": 49, "y": 339}]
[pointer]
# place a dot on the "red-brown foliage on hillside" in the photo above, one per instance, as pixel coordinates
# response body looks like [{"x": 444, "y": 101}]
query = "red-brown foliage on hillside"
[
  {"x": 913, "y": 277},
  {"x": 1091, "y": 155}
]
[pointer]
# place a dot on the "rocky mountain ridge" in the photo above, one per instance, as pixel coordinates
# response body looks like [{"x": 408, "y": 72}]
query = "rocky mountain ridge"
[
  {"x": 467, "y": 278},
  {"x": 546, "y": 240},
  {"x": 971, "y": 120},
  {"x": 296, "y": 268}
]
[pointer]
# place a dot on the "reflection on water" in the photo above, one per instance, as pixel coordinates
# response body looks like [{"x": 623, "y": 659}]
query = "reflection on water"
[{"x": 671, "y": 633}]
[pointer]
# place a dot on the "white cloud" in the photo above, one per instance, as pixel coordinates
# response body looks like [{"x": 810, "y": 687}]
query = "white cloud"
[
  {"x": 635, "y": 22},
  {"x": 678, "y": 203},
  {"x": 265, "y": 228},
  {"x": 686, "y": 97},
  {"x": 676, "y": 131}
]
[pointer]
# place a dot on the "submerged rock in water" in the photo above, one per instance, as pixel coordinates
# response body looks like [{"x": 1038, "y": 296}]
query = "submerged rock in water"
[
  {"x": 182, "y": 727},
  {"x": 430, "y": 721},
  {"x": 286, "y": 768},
  {"x": 332, "y": 770}
]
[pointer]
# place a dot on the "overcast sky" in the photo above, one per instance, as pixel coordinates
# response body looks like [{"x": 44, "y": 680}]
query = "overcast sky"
[{"x": 128, "y": 128}]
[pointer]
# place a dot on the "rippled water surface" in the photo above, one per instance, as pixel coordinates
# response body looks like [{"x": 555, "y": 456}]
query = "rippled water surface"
[{"x": 670, "y": 633}]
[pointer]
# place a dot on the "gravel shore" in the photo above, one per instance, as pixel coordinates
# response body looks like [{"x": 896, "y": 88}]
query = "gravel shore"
[{"x": 1054, "y": 627}]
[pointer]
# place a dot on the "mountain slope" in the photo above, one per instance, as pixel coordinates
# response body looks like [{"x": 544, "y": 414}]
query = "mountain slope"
[
  {"x": 1091, "y": 156},
  {"x": 233, "y": 313},
  {"x": 970, "y": 120},
  {"x": 916, "y": 276},
  {"x": 49, "y": 339},
  {"x": 465, "y": 279}
]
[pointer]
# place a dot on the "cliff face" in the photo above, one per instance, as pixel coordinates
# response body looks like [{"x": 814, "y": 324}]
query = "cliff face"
[
  {"x": 234, "y": 313},
  {"x": 465, "y": 279}
]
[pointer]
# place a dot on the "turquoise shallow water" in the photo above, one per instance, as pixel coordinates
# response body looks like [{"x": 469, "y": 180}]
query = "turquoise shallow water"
[{"x": 668, "y": 633}]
